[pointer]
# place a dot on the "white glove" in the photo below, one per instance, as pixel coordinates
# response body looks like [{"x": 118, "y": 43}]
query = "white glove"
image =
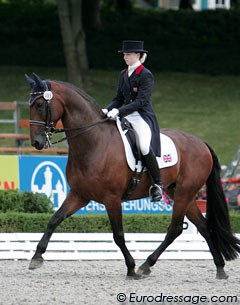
[
  {"x": 113, "y": 113},
  {"x": 105, "y": 111}
]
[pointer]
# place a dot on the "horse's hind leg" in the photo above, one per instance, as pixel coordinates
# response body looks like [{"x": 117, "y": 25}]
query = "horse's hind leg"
[
  {"x": 196, "y": 217},
  {"x": 174, "y": 230},
  {"x": 115, "y": 217},
  {"x": 69, "y": 206}
]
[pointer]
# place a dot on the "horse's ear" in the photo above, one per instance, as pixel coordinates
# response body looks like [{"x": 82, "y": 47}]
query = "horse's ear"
[
  {"x": 37, "y": 80},
  {"x": 30, "y": 81}
]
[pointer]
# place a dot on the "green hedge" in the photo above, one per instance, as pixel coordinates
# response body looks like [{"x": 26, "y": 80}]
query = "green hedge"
[
  {"x": 204, "y": 42},
  {"x": 29, "y": 212},
  {"x": 27, "y": 202},
  {"x": 22, "y": 222}
]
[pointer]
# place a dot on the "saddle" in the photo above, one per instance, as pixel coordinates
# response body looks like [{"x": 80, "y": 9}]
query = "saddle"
[{"x": 169, "y": 156}]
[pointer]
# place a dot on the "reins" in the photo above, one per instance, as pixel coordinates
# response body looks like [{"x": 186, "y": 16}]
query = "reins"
[{"x": 82, "y": 130}]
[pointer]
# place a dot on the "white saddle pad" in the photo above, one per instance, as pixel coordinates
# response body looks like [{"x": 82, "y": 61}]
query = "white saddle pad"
[{"x": 169, "y": 156}]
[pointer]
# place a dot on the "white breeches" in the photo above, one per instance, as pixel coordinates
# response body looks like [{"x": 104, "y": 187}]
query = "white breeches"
[{"x": 143, "y": 131}]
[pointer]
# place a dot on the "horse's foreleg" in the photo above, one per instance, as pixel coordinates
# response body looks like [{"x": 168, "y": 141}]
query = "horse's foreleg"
[
  {"x": 115, "y": 217},
  {"x": 174, "y": 230},
  {"x": 70, "y": 205},
  {"x": 196, "y": 217}
]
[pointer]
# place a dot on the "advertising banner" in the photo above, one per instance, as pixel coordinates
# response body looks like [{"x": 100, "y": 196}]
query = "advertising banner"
[
  {"x": 9, "y": 177},
  {"x": 46, "y": 175},
  {"x": 143, "y": 206}
]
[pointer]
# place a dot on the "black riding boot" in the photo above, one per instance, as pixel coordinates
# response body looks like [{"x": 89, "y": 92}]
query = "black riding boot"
[{"x": 156, "y": 190}]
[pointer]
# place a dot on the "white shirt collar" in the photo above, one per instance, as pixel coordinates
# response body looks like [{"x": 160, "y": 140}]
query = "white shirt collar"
[{"x": 133, "y": 67}]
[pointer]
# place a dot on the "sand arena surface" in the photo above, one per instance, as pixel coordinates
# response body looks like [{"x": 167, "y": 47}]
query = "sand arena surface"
[{"x": 100, "y": 282}]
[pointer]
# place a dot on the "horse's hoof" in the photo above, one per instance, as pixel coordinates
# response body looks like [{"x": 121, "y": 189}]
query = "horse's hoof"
[
  {"x": 35, "y": 263},
  {"x": 134, "y": 276},
  {"x": 221, "y": 276},
  {"x": 143, "y": 271}
]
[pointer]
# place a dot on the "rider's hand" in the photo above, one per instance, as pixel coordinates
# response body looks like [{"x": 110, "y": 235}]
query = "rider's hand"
[
  {"x": 112, "y": 114},
  {"x": 105, "y": 111}
]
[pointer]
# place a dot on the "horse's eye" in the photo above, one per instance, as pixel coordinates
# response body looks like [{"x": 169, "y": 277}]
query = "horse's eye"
[{"x": 39, "y": 105}]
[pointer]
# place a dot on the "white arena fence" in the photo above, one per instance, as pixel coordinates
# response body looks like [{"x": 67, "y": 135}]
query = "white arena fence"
[{"x": 100, "y": 246}]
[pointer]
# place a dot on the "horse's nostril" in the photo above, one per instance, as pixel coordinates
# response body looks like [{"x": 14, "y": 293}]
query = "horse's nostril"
[
  {"x": 33, "y": 143},
  {"x": 37, "y": 145}
]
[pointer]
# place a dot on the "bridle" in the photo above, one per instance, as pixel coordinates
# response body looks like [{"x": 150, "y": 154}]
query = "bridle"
[{"x": 48, "y": 124}]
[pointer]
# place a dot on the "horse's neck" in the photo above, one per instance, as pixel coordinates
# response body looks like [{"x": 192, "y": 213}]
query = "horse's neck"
[{"x": 80, "y": 113}]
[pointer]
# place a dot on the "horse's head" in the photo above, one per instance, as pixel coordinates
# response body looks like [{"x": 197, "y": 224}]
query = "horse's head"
[{"x": 42, "y": 120}]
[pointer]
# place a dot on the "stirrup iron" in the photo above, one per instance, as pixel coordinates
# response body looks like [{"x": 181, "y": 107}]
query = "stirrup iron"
[{"x": 156, "y": 194}]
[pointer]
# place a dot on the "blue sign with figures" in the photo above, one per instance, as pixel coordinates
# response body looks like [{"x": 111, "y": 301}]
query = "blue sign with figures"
[{"x": 46, "y": 175}]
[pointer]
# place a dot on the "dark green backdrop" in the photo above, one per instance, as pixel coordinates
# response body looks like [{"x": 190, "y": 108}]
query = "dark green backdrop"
[{"x": 202, "y": 42}]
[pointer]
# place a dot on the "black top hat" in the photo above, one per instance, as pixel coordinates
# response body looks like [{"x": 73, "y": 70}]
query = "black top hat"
[{"x": 132, "y": 46}]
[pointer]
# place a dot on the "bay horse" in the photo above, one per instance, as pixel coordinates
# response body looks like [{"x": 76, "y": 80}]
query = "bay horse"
[{"x": 97, "y": 170}]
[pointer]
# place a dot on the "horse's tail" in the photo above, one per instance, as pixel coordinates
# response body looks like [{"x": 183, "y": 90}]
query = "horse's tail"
[{"x": 217, "y": 213}]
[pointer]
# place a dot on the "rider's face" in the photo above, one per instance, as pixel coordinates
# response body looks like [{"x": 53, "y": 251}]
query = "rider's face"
[{"x": 131, "y": 58}]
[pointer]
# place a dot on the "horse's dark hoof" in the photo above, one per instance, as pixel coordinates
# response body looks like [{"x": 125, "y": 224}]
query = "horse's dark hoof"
[
  {"x": 221, "y": 275},
  {"x": 144, "y": 271},
  {"x": 132, "y": 275},
  {"x": 35, "y": 263}
]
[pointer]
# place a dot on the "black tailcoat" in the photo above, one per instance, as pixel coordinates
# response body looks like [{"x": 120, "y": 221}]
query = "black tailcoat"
[{"x": 134, "y": 94}]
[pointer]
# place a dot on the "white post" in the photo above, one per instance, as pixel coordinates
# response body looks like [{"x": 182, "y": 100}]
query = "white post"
[
  {"x": 211, "y": 4},
  {"x": 197, "y": 5}
]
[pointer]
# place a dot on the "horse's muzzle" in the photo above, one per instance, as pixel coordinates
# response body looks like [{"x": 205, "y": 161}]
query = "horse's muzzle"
[{"x": 38, "y": 142}]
